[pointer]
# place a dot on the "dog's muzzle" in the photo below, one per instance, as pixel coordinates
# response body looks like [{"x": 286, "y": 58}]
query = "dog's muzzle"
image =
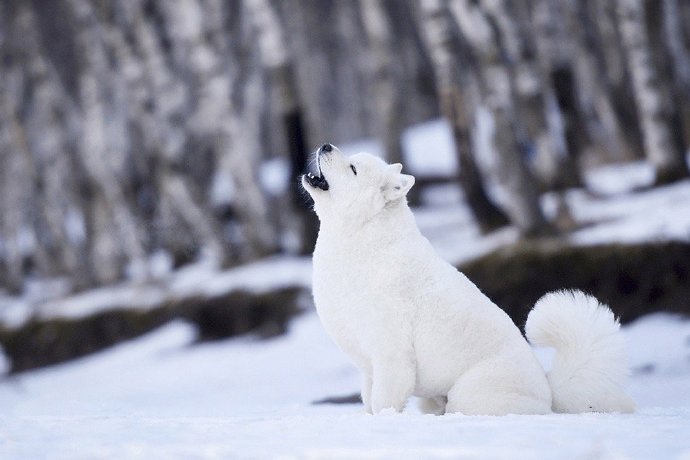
[{"x": 317, "y": 181}]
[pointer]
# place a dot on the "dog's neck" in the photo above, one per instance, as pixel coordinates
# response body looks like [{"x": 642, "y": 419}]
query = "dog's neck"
[{"x": 391, "y": 224}]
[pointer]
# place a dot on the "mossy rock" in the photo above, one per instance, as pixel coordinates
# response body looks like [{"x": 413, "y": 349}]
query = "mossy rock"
[
  {"x": 633, "y": 280},
  {"x": 239, "y": 312},
  {"x": 41, "y": 342}
]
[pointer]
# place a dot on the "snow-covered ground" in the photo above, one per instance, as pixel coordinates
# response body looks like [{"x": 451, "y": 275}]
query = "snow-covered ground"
[{"x": 161, "y": 397}]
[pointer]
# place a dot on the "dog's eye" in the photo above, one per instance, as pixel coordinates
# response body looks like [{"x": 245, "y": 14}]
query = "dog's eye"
[{"x": 354, "y": 170}]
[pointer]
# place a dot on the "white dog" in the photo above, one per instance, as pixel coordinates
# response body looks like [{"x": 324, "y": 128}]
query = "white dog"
[{"x": 414, "y": 325}]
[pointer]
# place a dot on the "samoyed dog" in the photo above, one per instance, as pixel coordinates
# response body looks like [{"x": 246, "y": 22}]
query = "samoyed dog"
[{"x": 414, "y": 325}]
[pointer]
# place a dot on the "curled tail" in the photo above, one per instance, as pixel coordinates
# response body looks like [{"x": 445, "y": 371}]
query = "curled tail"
[{"x": 589, "y": 369}]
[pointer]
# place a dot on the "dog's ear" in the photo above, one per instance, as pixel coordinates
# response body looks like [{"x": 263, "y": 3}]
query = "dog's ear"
[
  {"x": 395, "y": 167},
  {"x": 397, "y": 186}
]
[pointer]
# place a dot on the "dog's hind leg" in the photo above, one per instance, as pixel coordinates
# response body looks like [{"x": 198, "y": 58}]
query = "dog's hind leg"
[
  {"x": 478, "y": 392},
  {"x": 495, "y": 403}
]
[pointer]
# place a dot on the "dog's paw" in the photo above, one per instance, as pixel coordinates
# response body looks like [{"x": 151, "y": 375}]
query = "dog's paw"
[{"x": 388, "y": 411}]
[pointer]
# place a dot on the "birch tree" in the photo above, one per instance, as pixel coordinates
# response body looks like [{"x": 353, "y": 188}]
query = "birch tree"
[
  {"x": 103, "y": 157},
  {"x": 664, "y": 147},
  {"x": 46, "y": 140},
  {"x": 37, "y": 187},
  {"x": 384, "y": 67},
  {"x": 497, "y": 79},
  {"x": 555, "y": 49},
  {"x": 608, "y": 60},
  {"x": 277, "y": 61},
  {"x": 673, "y": 57},
  {"x": 457, "y": 98},
  {"x": 183, "y": 220},
  {"x": 511, "y": 21},
  {"x": 15, "y": 184}
]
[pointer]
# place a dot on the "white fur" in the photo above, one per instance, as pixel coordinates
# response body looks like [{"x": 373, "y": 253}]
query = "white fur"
[
  {"x": 409, "y": 321},
  {"x": 589, "y": 368}
]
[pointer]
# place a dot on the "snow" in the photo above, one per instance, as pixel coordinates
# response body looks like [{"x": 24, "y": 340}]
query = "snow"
[
  {"x": 620, "y": 178},
  {"x": 166, "y": 396},
  {"x": 662, "y": 213},
  {"x": 655, "y": 214},
  {"x": 162, "y": 397},
  {"x": 619, "y": 200},
  {"x": 223, "y": 190},
  {"x": 613, "y": 214},
  {"x": 274, "y": 176},
  {"x": 429, "y": 149},
  {"x": 200, "y": 278}
]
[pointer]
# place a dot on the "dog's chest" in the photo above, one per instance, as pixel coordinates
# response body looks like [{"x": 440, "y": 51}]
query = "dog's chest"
[
  {"x": 347, "y": 298},
  {"x": 338, "y": 288}
]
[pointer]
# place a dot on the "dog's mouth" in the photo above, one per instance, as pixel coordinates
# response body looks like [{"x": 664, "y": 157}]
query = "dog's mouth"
[{"x": 317, "y": 181}]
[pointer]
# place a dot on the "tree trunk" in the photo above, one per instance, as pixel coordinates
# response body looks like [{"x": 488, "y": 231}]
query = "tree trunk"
[
  {"x": 677, "y": 62},
  {"x": 660, "y": 123},
  {"x": 385, "y": 71},
  {"x": 14, "y": 189},
  {"x": 608, "y": 62},
  {"x": 277, "y": 60},
  {"x": 497, "y": 88},
  {"x": 455, "y": 98},
  {"x": 512, "y": 22},
  {"x": 178, "y": 200},
  {"x": 385, "y": 75},
  {"x": 34, "y": 145},
  {"x": 55, "y": 189},
  {"x": 102, "y": 154},
  {"x": 555, "y": 50}
]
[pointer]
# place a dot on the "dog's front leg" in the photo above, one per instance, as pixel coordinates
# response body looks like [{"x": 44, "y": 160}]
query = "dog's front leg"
[{"x": 393, "y": 382}]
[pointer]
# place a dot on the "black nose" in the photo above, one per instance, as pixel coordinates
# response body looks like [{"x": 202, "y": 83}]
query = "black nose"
[{"x": 326, "y": 148}]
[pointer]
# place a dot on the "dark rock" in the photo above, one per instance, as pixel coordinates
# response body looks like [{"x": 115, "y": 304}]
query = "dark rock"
[
  {"x": 240, "y": 312},
  {"x": 633, "y": 280},
  {"x": 41, "y": 342}
]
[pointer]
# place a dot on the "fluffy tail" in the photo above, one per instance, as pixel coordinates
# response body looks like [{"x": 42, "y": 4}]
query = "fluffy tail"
[{"x": 589, "y": 369}]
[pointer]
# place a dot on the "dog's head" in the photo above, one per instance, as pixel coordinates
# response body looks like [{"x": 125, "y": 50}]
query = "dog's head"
[{"x": 356, "y": 187}]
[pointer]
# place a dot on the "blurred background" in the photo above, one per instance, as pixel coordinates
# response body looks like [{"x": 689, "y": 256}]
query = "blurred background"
[{"x": 150, "y": 153}]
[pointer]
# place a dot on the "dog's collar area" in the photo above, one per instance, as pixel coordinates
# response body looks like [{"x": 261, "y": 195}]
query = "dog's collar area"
[{"x": 317, "y": 181}]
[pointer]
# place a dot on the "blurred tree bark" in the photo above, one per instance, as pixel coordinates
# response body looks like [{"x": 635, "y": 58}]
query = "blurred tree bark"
[
  {"x": 678, "y": 54},
  {"x": 555, "y": 50},
  {"x": 231, "y": 128},
  {"x": 497, "y": 79},
  {"x": 103, "y": 156},
  {"x": 661, "y": 126},
  {"x": 607, "y": 62},
  {"x": 276, "y": 60},
  {"x": 46, "y": 140},
  {"x": 386, "y": 75},
  {"x": 37, "y": 190},
  {"x": 183, "y": 224},
  {"x": 133, "y": 129},
  {"x": 15, "y": 186},
  {"x": 511, "y": 20},
  {"x": 386, "y": 72},
  {"x": 457, "y": 100}
]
